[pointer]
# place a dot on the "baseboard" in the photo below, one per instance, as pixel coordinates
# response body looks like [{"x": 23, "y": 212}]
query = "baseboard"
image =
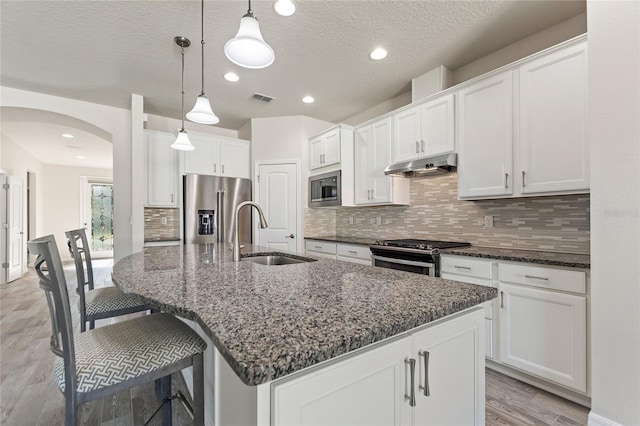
[
  {"x": 597, "y": 420},
  {"x": 565, "y": 393}
]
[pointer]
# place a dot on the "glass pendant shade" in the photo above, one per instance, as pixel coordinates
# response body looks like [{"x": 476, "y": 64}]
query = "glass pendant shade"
[
  {"x": 248, "y": 49},
  {"x": 182, "y": 142},
  {"x": 202, "y": 112}
]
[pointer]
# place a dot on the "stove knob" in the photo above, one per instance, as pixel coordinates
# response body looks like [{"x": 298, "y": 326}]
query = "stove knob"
[{"x": 421, "y": 246}]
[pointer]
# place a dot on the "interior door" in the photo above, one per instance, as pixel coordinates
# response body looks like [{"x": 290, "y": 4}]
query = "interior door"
[
  {"x": 278, "y": 196},
  {"x": 16, "y": 233}
]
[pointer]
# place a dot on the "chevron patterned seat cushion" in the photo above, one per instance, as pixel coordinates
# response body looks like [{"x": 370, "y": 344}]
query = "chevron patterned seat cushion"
[
  {"x": 129, "y": 349},
  {"x": 110, "y": 299}
]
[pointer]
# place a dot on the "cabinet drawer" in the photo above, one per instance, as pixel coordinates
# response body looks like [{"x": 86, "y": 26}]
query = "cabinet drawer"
[
  {"x": 467, "y": 266},
  {"x": 554, "y": 279},
  {"x": 349, "y": 250},
  {"x": 321, "y": 246}
]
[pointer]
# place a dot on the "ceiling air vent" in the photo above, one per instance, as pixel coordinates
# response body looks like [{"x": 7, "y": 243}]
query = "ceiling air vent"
[{"x": 261, "y": 98}]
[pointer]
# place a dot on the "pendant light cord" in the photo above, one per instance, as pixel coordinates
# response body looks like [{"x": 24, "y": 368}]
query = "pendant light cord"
[
  {"x": 202, "y": 43},
  {"x": 182, "y": 53}
]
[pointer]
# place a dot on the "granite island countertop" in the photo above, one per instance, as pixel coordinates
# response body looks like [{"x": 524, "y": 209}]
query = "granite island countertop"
[
  {"x": 569, "y": 260},
  {"x": 270, "y": 321}
]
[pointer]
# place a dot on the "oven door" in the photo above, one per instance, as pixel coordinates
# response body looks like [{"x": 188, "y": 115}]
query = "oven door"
[{"x": 418, "y": 267}]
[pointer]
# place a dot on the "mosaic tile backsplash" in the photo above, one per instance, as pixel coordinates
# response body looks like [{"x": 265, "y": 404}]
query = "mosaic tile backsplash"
[
  {"x": 154, "y": 229},
  {"x": 552, "y": 223}
]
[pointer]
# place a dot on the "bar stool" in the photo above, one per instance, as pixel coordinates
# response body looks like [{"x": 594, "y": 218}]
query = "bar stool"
[
  {"x": 116, "y": 357},
  {"x": 96, "y": 303}
]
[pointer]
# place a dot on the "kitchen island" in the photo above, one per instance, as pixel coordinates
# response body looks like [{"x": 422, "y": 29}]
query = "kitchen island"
[{"x": 270, "y": 328}]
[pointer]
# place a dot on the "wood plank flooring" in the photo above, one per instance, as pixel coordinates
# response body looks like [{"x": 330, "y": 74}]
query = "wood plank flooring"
[{"x": 29, "y": 396}]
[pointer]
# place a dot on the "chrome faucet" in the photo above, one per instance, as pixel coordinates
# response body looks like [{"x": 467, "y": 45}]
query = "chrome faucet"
[{"x": 236, "y": 240}]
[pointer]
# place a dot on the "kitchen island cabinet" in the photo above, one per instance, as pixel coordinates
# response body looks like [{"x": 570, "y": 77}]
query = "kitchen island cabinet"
[{"x": 267, "y": 325}]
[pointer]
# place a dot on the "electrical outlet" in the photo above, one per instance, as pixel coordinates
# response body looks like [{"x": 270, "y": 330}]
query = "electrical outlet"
[
  {"x": 378, "y": 221},
  {"x": 163, "y": 220},
  {"x": 488, "y": 221}
]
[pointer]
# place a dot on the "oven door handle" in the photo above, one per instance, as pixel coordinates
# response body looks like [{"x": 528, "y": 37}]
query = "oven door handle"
[{"x": 402, "y": 261}]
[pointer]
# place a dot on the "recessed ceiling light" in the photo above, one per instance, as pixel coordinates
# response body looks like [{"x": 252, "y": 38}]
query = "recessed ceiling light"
[
  {"x": 82, "y": 157},
  {"x": 378, "y": 53},
  {"x": 285, "y": 7},
  {"x": 232, "y": 77},
  {"x": 67, "y": 135},
  {"x": 308, "y": 99}
]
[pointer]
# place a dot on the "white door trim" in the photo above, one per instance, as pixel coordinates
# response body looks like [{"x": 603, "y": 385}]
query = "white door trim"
[{"x": 256, "y": 198}]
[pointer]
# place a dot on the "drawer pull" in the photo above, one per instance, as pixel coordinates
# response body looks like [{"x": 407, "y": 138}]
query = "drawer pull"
[
  {"x": 353, "y": 252},
  {"x": 318, "y": 247},
  {"x": 412, "y": 372},
  {"x": 536, "y": 278},
  {"x": 462, "y": 267},
  {"x": 425, "y": 388}
]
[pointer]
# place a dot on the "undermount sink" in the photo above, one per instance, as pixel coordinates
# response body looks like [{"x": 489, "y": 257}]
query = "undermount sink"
[{"x": 276, "y": 259}]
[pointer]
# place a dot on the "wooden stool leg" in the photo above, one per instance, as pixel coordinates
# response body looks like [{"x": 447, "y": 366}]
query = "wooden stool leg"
[
  {"x": 198, "y": 390},
  {"x": 166, "y": 393}
]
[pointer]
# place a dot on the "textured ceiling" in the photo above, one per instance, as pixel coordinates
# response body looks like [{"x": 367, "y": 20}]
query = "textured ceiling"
[{"x": 102, "y": 51}]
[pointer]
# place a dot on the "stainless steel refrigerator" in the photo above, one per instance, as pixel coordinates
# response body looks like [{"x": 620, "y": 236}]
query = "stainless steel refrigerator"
[{"x": 209, "y": 209}]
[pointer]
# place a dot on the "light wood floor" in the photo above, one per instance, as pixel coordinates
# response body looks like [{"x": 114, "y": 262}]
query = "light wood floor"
[{"x": 29, "y": 396}]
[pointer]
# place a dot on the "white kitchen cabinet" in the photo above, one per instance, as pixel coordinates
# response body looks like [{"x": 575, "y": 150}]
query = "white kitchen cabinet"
[
  {"x": 480, "y": 272},
  {"x": 364, "y": 390},
  {"x": 543, "y": 323},
  {"x": 554, "y": 151},
  {"x": 542, "y": 152},
  {"x": 424, "y": 129},
  {"x": 485, "y": 137},
  {"x": 450, "y": 369},
  {"x": 324, "y": 149},
  {"x": 375, "y": 387},
  {"x": 161, "y": 174},
  {"x": 217, "y": 156},
  {"x": 353, "y": 253},
  {"x": 324, "y": 249},
  {"x": 372, "y": 156}
]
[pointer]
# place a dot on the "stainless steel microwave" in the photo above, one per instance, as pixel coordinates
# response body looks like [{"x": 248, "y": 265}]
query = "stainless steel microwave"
[{"x": 324, "y": 189}]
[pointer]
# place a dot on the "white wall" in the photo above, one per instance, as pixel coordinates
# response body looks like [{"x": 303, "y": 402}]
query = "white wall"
[
  {"x": 61, "y": 200},
  {"x": 172, "y": 125},
  {"x": 17, "y": 162},
  {"x": 115, "y": 121},
  {"x": 614, "y": 131}
]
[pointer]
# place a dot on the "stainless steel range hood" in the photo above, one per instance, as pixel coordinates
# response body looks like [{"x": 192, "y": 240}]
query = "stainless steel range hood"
[{"x": 425, "y": 166}]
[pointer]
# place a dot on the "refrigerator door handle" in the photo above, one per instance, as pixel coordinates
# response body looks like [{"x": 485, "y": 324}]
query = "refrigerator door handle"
[{"x": 220, "y": 217}]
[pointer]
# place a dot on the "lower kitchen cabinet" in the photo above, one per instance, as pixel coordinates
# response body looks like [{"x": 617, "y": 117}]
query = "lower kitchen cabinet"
[
  {"x": 353, "y": 253},
  {"x": 431, "y": 377},
  {"x": 544, "y": 332},
  {"x": 322, "y": 249}
]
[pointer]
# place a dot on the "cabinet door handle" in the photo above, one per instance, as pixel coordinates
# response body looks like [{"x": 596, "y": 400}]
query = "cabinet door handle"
[
  {"x": 502, "y": 300},
  {"x": 462, "y": 267},
  {"x": 422, "y": 145},
  {"x": 223, "y": 169},
  {"x": 172, "y": 198},
  {"x": 537, "y": 278},
  {"x": 214, "y": 168},
  {"x": 506, "y": 180},
  {"x": 523, "y": 185},
  {"x": 425, "y": 388},
  {"x": 417, "y": 147},
  {"x": 412, "y": 372}
]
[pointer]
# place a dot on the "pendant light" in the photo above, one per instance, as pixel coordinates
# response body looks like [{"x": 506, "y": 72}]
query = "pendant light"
[
  {"x": 182, "y": 142},
  {"x": 202, "y": 112},
  {"x": 248, "y": 49}
]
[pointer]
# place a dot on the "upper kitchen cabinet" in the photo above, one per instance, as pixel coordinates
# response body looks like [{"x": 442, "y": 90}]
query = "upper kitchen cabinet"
[
  {"x": 522, "y": 132},
  {"x": 161, "y": 174},
  {"x": 424, "y": 129},
  {"x": 485, "y": 137},
  {"x": 372, "y": 156},
  {"x": 554, "y": 153},
  {"x": 332, "y": 147},
  {"x": 214, "y": 155}
]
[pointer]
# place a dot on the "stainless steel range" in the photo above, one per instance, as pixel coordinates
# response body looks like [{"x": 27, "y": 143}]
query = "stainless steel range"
[{"x": 419, "y": 256}]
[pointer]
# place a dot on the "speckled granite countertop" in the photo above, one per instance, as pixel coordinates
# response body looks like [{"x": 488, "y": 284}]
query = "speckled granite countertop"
[
  {"x": 569, "y": 260},
  {"x": 270, "y": 321}
]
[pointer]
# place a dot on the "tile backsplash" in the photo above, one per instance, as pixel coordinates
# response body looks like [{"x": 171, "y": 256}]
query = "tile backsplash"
[
  {"x": 552, "y": 223},
  {"x": 154, "y": 229}
]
